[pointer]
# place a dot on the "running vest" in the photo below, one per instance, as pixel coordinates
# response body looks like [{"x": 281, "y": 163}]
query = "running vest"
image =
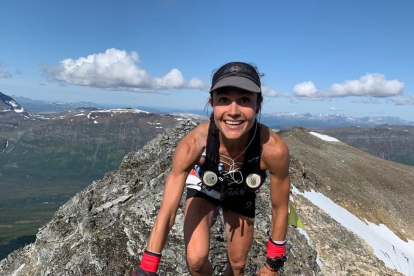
[{"x": 250, "y": 170}]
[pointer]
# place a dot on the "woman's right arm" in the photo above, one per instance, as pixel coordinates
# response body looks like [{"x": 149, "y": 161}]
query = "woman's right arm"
[{"x": 186, "y": 155}]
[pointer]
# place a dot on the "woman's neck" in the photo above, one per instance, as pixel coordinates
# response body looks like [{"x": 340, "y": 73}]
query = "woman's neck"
[{"x": 233, "y": 147}]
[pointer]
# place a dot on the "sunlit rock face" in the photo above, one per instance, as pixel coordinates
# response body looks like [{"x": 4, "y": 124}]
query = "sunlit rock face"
[{"x": 103, "y": 229}]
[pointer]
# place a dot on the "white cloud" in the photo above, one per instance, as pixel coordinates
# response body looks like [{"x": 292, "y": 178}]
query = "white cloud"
[
  {"x": 174, "y": 79},
  {"x": 116, "y": 70},
  {"x": 4, "y": 74},
  {"x": 371, "y": 85},
  {"x": 374, "y": 85},
  {"x": 196, "y": 83},
  {"x": 305, "y": 90},
  {"x": 268, "y": 92},
  {"x": 409, "y": 100}
]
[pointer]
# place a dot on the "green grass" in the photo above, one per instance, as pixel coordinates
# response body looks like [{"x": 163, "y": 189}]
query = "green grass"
[{"x": 28, "y": 204}]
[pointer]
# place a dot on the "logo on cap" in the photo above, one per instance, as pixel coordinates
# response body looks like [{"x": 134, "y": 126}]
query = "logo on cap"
[{"x": 234, "y": 69}]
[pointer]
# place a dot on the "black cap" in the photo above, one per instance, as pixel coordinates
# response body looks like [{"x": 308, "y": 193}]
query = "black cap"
[{"x": 237, "y": 74}]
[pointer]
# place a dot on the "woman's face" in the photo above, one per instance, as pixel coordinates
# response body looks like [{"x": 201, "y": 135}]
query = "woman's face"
[{"x": 234, "y": 111}]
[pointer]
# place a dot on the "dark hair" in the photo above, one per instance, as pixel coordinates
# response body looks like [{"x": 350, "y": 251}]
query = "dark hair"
[{"x": 259, "y": 95}]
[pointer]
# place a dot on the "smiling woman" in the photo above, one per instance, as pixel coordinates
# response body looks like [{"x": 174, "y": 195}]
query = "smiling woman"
[{"x": 222, "y": 164}]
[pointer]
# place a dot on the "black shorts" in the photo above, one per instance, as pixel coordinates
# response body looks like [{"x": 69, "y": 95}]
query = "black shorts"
[{"x": 242, "y": 202}]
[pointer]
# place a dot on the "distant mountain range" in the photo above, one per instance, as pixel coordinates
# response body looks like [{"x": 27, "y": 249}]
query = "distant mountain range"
[
  {"x": 278, "y": 120},
  {"x": 286, "y": 120},
  {"x": 42, "y": 106}
]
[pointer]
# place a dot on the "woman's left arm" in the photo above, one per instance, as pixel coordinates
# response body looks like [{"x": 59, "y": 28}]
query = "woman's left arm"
[{"x": 276, "y": 157}]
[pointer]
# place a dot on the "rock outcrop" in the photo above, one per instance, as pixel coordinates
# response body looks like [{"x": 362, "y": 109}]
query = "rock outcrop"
[{"x": 104, "y": 229}]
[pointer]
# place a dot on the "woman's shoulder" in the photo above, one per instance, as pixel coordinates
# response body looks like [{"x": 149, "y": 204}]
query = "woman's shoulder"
[
  {"x": 198, "y": 134},
  {"x": 273, "y": 147},
  {"x": 195, "y": 141}
]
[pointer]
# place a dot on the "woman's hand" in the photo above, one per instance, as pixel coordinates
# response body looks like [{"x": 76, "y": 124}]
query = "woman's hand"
[
  {"x": 265, "y": 271},
  {"x": 141, "y": 272}
]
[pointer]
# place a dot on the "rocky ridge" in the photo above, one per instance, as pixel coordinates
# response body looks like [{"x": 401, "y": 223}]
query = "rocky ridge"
[
  {"x": 371, "y": 188},
  {"x": 103, "y": 229}
]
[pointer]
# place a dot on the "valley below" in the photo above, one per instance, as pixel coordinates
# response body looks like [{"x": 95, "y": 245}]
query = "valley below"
[{"x": 45, "y": 159}]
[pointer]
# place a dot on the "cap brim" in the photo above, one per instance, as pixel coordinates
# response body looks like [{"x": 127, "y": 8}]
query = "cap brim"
[{"x": 238, "y": 82}]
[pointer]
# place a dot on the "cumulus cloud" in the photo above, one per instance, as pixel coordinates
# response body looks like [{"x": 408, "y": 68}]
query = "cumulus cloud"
[
  {"x": 196, "y": 83},
  {"x": 116, "y": 70},
  {"x": 268, "y": 92},
  {"x": 372, "y": 85},
  {"x": 305, "y": 90},
  {"x": 409, "y": 100},
  {"x": 4, "y": 74}
]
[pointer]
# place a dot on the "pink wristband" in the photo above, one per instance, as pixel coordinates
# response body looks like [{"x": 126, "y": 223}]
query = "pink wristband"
[
  {"x": 275, "y": 250},
  {"x": 150, "y": 261}
]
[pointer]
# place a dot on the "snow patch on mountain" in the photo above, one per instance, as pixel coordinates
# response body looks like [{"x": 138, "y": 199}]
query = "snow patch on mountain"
[
  {"x": 324, "y": 137},
  {"x": 388, "y": 247},
  {"x": 16, "y": 107},
  {"x": 8, "y": 104},
  {"x": 191, "y": 116}
]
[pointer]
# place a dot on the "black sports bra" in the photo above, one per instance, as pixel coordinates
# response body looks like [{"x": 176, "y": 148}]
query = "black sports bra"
[{"x": 250, "y": 177}]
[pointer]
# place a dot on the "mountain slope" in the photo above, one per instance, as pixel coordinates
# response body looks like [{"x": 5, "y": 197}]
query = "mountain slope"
[
  {"x": 83, "y": 142},
  {"x": 373, "y": 189},
  {"x": 7, "y": 104},
  {"x": 355, "y": 179},
  {"x": 103, "y": 229},
  {"x": 45, "y": 159},
  {"x": 395, "y": 143},
  {"x": 12, "y": 117}
]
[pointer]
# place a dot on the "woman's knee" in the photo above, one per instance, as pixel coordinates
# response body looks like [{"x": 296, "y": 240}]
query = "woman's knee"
[
  {"x": 238, "y": 263},
  {"x": 196, "y": 261}
]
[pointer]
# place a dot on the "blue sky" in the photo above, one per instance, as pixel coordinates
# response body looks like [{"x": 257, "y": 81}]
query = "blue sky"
[{"x": 349, "y": 57}]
